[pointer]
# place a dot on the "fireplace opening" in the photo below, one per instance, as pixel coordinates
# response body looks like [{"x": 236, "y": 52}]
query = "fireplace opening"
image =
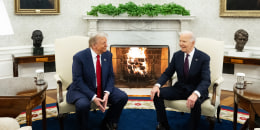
[{"x": 138, "y": 66}]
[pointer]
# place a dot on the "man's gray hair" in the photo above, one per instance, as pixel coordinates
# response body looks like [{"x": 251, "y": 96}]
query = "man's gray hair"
[
  {"x": 193, "y": 38},
  {"x": 94, "y": 37}
]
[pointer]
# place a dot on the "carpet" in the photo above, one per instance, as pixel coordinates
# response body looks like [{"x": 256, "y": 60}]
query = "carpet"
[{"x": 138, "y": 114}]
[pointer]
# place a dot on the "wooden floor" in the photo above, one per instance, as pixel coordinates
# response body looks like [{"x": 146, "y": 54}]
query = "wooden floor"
[{"x": 226, "y": 97}]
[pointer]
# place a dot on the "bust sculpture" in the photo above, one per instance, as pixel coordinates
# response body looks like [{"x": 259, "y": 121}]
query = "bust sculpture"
[
  {"x": 241, "y": 38},
  {"x": 37, "y": 38}
]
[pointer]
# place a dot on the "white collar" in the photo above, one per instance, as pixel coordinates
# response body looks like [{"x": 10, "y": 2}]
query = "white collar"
[
  {"x": 191, "y": 53},
  {"x": 94, "y": 54}
]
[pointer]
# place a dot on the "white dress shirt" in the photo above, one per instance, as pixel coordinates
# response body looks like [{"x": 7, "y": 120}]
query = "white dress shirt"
[{"x": 94, "y": 58}]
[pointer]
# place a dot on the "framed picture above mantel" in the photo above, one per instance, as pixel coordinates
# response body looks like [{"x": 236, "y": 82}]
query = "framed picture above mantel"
[
  {"x": 239, "y": 8},
  {"x": 37, "y": 7}
]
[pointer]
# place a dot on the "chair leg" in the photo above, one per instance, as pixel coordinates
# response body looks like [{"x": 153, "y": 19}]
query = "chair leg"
[
  {"x": 245, "y": 125},
  {"x": 61, "y": 117},
  {"x": 211, "y": 122},
  {"x": 218, "y": 113}
]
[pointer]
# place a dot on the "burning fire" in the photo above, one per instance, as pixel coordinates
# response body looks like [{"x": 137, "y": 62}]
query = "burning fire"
[{"x": 136, "y": 61}]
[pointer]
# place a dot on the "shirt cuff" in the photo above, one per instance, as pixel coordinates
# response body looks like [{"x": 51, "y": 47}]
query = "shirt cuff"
[
  {"x": 107, "y": 92},
  {"x": 158, "y": 85},
  {"x": 96, "y": 95},
  {"x": 93, "y": 97},
  {"x": 197, "y": 93}
]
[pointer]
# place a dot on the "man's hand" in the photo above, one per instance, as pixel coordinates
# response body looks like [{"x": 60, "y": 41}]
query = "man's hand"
[
  {"x": 154, "y": 91},
  {"x": 191, "y": 100},
  {"x": 105, "y": 99},
  {"x": 99, "y": 103}
]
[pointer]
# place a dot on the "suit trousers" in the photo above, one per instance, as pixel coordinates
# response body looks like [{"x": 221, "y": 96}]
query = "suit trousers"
[
  {"x": 117, "y": 100},
  {"x": 176, "y": 93}
]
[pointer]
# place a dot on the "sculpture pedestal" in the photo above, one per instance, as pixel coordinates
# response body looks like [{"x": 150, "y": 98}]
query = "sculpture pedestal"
[
  {"x": 38, "y": 51},
  {"x": 239, "y": 54}
]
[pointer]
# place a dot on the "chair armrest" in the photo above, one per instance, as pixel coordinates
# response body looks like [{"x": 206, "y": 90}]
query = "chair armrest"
[
  {"x": 219, "y": 80},
  {"x": 59, "y": 82},
  {"x": 215, "y": 85}
]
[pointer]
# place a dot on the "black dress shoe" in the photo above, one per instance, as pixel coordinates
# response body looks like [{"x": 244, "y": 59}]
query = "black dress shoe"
[
  {"x": 106, "y": 125},
  {"x": 163, "y": 126},
  {"x": 115, "y": 126}
]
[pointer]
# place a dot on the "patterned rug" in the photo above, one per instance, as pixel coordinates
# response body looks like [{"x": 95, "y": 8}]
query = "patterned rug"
[{"x": 133, "y": 103}]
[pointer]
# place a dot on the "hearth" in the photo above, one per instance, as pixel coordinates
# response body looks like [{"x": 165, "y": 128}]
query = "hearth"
[{"x": 139, "y": 66}]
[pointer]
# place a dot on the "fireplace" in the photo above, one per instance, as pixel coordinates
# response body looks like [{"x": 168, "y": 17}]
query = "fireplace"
[
  {"x": 160, "y": 33},
  {"x": 138, "y": 66}
]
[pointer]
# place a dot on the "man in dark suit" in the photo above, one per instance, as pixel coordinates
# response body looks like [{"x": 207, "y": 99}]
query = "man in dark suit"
[
  {"x": 87, "y": 81},
  {"x": 193, "y": 75}
]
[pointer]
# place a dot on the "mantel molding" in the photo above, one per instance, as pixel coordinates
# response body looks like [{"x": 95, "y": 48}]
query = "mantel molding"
[
  {"x": 170, "y": 17},
  {"x": 183, "y": 22}
]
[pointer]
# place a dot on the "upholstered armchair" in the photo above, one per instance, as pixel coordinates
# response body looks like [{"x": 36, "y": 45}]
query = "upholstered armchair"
[
  {"x": 8, "y": 123},
  {"x": 65, "y": 48},
  {"x": 210, "y": 107}
]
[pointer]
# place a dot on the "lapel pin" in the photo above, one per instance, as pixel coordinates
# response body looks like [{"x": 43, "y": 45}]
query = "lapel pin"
[
  {"x": 105, "y": 59},
  {"x": 196, "y": 59}
]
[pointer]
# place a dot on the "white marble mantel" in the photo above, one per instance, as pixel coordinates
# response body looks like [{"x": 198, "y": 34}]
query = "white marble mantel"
[
  {"x": 124, "y": 30},
  {"x": 93, "y": 27}
]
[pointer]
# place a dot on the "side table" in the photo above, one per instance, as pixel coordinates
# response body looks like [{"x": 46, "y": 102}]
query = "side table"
[
  {"x": 29, "y": 58},
  {"x": 248, "y": 99},
  {"x": 22, "y": 94},
  {"x": 241, "y": 60}
]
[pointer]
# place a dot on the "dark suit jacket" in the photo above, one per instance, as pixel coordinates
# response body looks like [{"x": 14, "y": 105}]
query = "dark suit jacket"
[
  {"x": 199, "y": 73},
  {"x": 84, "y": 77}
]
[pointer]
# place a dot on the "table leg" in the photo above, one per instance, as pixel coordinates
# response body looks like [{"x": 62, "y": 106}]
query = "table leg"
[
  {"x": 44, "y": 113},
  {"x": 235, "y": 115},
  {"x": 29, "y": 117},
  {"x": 251, "y": 118},
  {"x": 15, "y": 69}
]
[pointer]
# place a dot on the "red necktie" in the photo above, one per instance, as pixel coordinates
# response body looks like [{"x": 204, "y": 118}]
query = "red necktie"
[
  {"x": 186, "y": 66},
  {"x": 98, "y": 74}
]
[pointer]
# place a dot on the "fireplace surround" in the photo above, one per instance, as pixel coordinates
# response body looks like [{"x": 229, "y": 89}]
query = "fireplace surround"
[
  {"x": 138, "y": 66},
  {"x": 156, "y": 34},
  {"x": 160, "y": 30}
]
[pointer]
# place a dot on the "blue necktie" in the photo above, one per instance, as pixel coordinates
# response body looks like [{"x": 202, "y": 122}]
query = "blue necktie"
[{"x": 186, "y": 66}]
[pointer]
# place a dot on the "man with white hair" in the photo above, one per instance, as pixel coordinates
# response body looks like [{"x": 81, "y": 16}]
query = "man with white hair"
[{"x": 193, "y": 73}]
